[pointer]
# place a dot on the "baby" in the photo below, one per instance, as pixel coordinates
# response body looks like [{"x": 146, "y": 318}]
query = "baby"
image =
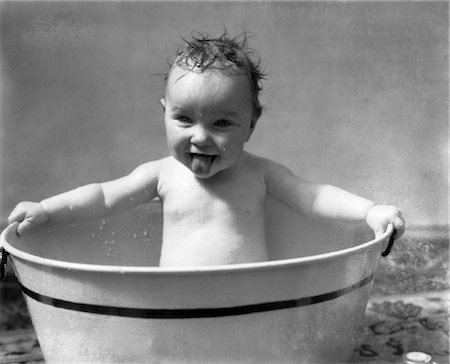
[{"x": 213, "y": 193}]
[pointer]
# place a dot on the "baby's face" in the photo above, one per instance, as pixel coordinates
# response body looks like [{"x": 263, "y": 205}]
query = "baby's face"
[{"x": 208, "y": 118}]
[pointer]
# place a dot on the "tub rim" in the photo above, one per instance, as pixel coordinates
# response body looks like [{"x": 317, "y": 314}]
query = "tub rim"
[{"x": 271, "y": 264}]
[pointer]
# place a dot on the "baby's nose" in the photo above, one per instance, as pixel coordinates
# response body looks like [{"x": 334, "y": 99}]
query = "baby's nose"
[{"x": 200, "y": 136}]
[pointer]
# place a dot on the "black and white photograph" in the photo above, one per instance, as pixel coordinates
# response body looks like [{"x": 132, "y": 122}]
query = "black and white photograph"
[{"x": 224, "y": 182}]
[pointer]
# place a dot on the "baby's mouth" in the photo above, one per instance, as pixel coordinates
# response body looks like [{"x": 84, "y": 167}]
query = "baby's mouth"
[{"x": 202, "y": 163}]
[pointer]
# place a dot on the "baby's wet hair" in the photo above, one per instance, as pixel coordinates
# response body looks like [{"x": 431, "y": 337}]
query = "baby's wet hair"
[{"x": 225, "y": 54}]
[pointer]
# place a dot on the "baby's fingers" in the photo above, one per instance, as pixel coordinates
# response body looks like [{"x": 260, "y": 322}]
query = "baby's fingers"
[
  {"x": 399, "y": 225},
  {"x": 17, "y": 215},
  {"x": 25, "y": 225},
  {"x": 28, "y": 215},
  {"x": 380, "y": 216},
  {"x": 30, "y": 222}
]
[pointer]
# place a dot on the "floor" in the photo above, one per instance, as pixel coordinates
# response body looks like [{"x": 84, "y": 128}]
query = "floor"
[{"x": 408, "y": 310}]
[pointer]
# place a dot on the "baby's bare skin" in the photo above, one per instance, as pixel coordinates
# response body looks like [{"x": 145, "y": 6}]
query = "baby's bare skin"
[{"x": 216, "y": 220}]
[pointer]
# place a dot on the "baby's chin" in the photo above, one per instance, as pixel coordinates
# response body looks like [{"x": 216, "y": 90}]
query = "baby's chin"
[
  {"x": 204, "y": 166},
  {"x": 203, "y": 175}
]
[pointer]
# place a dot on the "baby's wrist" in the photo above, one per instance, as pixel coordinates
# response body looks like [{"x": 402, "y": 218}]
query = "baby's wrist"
[{"x": 45, "y": 209}]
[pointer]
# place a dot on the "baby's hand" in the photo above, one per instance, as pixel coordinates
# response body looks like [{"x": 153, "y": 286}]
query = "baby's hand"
[
  {"x": 28, "y": 215},
  {"x": 380, "y": 216}
]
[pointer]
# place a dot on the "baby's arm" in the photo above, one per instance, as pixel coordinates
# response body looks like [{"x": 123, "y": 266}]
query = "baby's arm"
[
  {"x": 90, "y": 201},
  {"x": 329, "y": 202}
]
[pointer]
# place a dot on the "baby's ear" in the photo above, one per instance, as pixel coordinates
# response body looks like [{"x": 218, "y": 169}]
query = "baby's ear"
[{"x": 163, "y": 103}]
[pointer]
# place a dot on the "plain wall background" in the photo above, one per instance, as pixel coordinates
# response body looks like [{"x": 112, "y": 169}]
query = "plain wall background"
[{"x": 356, "y": 95}]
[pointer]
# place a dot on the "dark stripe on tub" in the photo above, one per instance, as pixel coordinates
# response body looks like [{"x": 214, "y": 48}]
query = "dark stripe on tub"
[{"x": 156, "y": 313}]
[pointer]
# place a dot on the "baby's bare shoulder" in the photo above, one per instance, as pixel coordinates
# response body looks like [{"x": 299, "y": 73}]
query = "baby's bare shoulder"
[
  {"x": 148, "y": 168},
  {"x": 148, "y": 172},
  {"x": 157, "y": 165},
  {"x": 264, "y": 165},
  {"x": 276, "y": 175}
]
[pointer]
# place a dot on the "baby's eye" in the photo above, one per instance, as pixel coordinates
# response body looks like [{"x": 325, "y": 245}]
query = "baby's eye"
[
  {"x": 184, "y": 119},
  {"x": 223, "y": 123}
]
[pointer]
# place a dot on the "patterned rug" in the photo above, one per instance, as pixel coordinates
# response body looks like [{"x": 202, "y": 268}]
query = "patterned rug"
[{"x": 395, "y": 325}]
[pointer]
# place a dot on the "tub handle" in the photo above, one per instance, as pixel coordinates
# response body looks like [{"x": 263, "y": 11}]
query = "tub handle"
[
  {"x": 390, "y": 244},
  {"x": 3, "y": 261}
]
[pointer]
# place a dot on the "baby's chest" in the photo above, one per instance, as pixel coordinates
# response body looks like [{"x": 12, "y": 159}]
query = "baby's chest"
[{"x": 205, "y": 204}]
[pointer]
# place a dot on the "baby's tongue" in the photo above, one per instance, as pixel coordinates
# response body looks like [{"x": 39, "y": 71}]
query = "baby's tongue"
[{"x": 201, "y": 164}]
